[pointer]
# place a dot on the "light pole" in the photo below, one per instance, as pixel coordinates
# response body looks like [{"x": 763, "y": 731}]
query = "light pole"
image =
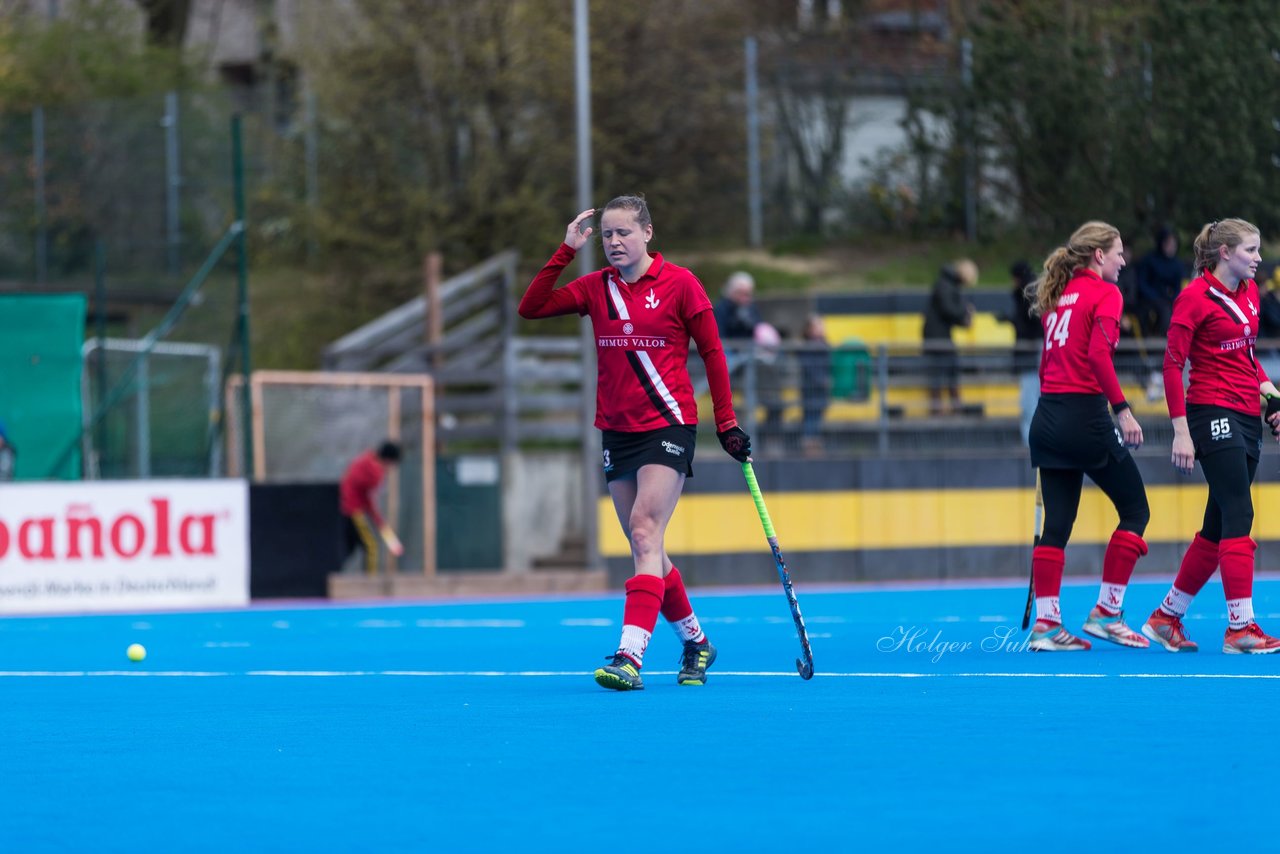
[
  {"x": 590, "y": 442},
  {"x": 754, "y": 206}
]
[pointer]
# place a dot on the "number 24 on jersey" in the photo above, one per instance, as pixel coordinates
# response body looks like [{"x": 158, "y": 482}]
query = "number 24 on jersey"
[{"x": 1056, "y": 329}]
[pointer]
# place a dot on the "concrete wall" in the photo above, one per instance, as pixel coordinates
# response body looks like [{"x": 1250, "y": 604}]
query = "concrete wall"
[{"x": 543, "y": 504}]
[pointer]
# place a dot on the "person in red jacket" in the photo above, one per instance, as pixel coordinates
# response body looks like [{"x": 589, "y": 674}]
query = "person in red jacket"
[
  {"x": 1216, "y": 421},
  {"x": 363, "y": 523},
  {"x": 644, "y": 310},
  {"x": 1073, "y": 435}
]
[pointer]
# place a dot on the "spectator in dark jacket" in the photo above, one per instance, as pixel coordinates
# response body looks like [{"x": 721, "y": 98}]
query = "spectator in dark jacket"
[
  {"x": 1160, "y": 275},
  {"x": 1026, "y": 329},
  {"x": 1268, "y": 279},
  {"x": 745, "y": 334},
  {"x": 737, "y": 315},
  {"x": 814, "y": 357},
  {"x": 948, "y": 307}
]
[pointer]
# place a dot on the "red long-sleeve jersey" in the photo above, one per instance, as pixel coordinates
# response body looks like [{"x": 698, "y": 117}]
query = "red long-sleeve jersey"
[
  {"x": 642, "y": 332},
  {"x": 1080, "y": 336},
  {"x": 360, "y": 481},
  {"x": 1216, "y": 329}
]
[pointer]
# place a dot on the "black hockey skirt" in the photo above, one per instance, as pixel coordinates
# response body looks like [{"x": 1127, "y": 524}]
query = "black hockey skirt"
[
  {"x": 1074, "y": 431},
  {"x": 1216, "y": 428},
  {"x": 625, "y": 453}
]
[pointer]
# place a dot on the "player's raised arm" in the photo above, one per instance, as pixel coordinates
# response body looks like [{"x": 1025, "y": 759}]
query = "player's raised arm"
[{"x": 541, "y": 298}]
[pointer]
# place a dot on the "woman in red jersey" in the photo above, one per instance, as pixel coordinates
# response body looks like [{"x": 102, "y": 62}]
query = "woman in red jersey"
[
  {"x": 1216, "y": 421},
  {"x": 644, "y": 310},
  {"x": 1073, "y": 435}
]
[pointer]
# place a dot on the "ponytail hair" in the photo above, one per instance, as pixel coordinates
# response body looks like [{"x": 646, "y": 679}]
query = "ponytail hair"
[
  {"x": 1043, "y": 294},
  {"x": 1215, "y": 235}
]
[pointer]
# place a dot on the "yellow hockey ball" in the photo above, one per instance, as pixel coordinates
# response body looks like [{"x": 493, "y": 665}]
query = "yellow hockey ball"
[{"x": 136, "y": 652}]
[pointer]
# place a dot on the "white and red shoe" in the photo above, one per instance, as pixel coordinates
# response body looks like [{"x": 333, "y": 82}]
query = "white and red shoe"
[
  {"x": 1111, "y": 627},
  {"x": 1168, "y": 631},
  {"x": 1052, "y": 637},
  {"x": 1250, "y": 640}
]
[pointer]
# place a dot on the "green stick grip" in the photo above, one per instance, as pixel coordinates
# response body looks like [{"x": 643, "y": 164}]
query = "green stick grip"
[{"x": 750, "y": 475}]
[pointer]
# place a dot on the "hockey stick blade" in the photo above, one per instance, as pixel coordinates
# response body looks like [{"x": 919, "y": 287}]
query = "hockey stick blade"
[{"x": 804, "y": 666}]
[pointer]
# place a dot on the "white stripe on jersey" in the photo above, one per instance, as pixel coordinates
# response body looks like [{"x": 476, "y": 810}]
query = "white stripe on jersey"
[
  {"x": 620, "y": 305},
  {"x": 1231, "y": 304},
  {"x": 659, "y": 385},
  {"x": 618, "y": 302}
]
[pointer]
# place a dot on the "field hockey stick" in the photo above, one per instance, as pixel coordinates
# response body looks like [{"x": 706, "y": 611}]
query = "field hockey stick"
[
  {"x": 803, "y": 666},
  {"x": 1035, "y": 541}
]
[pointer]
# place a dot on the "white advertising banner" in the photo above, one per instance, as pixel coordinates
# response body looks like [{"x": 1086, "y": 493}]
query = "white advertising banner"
[{"x": 123, "y": 545}]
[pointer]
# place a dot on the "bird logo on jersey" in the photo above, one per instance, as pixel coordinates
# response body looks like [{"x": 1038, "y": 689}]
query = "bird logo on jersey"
[
  {"x": 1253, "y": 308},
  {"x": 651, "y": 301}
]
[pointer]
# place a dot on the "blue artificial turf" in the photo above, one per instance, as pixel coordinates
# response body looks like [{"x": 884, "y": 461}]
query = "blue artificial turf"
[{"x": 477, "y": 727}]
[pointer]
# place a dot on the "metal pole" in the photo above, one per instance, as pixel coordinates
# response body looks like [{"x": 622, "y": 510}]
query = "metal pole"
[
  {"x": 42, "y": 226},
  {"x": 311, "y": 142},
  {"x": 212, "y": 374},
  {"x": 509, "y": 446},
  {"x": 510, "y": 388},
  {"x": 582, "y": 92},
  {"x": 100, "y": 322},
  {"x": 751, "y": 394},
  {"x": 970, "y": 159},
  {"x": 142, "y": 412},
  {"x": 173, "y": 233},
  {"x": 586, "y": 261},
  {"x": 242, "y": 298},
  {"x": 1275, "y": 121},
  {"x": 882, "y": 385},
  {"x": 754, "y": 200}
]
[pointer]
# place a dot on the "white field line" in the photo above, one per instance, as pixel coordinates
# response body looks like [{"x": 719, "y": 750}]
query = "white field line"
[
  {"x": 489, "y": 674},
  {"x": 469, "y": 624}
]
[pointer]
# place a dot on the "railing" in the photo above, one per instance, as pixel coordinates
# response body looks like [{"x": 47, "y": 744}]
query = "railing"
[
  {"x": 870, "y": 401},
  {"x": 494, "y": 389},
  {"x": 500, "y": 390}
]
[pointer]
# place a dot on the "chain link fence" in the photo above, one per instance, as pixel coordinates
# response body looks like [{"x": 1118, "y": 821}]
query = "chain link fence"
[{"x": 130, "y": 202}]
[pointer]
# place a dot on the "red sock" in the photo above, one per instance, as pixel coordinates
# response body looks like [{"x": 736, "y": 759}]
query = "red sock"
[
  {"x": 1122, "y": 553},
  {"x": 678, "y": 611},
  {"x": 1236, "y": 556},
  {"x": 1047, "y": 563},
  {"x": 1198, "y": 565},
  {"x": 675, "y": 601},
  {"x": 644, "y": 601}
]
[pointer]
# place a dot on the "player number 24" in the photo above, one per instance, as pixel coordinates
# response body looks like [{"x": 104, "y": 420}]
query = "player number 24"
[{"x": 1056, "y": 329}]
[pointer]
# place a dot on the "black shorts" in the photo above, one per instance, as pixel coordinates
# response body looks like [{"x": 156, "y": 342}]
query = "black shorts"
[
  {"x": 624, "y": 453},
  {"x": 1216, "y": 428},
  {"x": 1074, "y": 431}
]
